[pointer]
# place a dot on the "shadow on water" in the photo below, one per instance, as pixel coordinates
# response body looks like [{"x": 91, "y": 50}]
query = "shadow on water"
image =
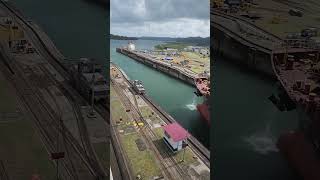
[
  {"x": 244, "y": 69},
  {"x": 103, "y": 4}
]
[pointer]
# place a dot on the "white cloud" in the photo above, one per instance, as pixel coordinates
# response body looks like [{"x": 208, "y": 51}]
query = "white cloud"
[{"x": 173, "y": 18}]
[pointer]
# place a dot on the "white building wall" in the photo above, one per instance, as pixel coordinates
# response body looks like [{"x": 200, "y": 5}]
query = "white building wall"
[{"x": 175, "y": 145}]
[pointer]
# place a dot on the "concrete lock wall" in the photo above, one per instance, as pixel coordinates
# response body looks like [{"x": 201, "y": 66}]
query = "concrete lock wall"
[
  {"x": 228, "y": 47},
  {"x": 158, "y": 66}
]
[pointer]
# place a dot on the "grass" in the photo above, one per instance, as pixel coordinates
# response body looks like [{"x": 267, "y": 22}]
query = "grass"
[
  {"x": 288, "y": 23},
  {"x": 173, "y": 45},
  {"x": 117, "y": 111},
  {"x": 147, "y": 113},
  {"x": 159, "y": 132},
  {"x": 24, "y": 151},
  {"x": 188, "y": 157},
  {"x": 142, "y": 162},
  {"x": 197, "y": 69},
  {"x": 196, "y": 56},
  {"x": 103, "y": 152}
]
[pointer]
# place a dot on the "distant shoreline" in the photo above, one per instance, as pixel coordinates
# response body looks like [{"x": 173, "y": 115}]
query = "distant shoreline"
[
  {"x": 197, "y": 41},
  {"x": 117, "y": 37}
]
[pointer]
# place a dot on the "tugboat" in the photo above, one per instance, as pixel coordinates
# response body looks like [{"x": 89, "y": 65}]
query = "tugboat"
[{"x": 203, "y": 89}]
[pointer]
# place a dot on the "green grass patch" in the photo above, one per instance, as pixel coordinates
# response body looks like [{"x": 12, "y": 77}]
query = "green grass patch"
[
  {"x": 196, "y": 56},
  {"x": 197, "y": 69},
  {"x": 173, "y": 45},
  {"x": 24, "y": 152},
  {"x": 188, "y": 156},
  {"x": 159, "y": 132},
  {"x": 142, "y": 162},
  {"x": 147, "y": 114},
  {"x": 103, "y": 153},
  {"x": 117, "y": 111}
]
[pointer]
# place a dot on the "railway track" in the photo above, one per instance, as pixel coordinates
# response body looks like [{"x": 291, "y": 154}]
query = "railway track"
[
  {"x": 3, "y": 171},
  {"x": 204, "y": 155},
  {"x": 76, "y": 102},
  {"x": 46, "y": 121},
  {"x": 50, "y": 56},
  {"x": 46, "y": 53},
  {"x": 154, "y": 135},
  {"x": 39, "y": 42},
  {"x": 43, "y": 123},
  {"x": 166, "y": 163},
  {"x": 101, "y": 108}
]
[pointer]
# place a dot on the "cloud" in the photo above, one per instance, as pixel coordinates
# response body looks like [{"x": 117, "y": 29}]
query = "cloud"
[{"x": 174, "y": 18}]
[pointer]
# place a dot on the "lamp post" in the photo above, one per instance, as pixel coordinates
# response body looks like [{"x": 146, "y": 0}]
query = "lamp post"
[
  {"x": 184, "y": 149},
  {"x": 91, "y": 113},
  {"x": 58, "y": 155}
]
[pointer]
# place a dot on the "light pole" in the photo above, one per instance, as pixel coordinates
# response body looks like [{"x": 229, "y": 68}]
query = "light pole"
[
  {"x": 184, "y": 150},
  {"x": 91, "y": 113}
]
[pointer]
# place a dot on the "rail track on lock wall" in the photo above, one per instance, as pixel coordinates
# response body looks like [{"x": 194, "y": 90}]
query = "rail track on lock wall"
[{"x": 149, "y": 137}]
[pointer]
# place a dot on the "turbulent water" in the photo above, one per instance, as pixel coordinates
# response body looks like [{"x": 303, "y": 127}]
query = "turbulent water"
[
  {"x": 263, "y": 141},
  {"x": 246, "y": 126},
  {"x": 193, "y": 105}
]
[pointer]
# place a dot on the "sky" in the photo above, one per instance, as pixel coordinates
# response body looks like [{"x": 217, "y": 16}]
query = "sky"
[{"x": 160, "y": 18}]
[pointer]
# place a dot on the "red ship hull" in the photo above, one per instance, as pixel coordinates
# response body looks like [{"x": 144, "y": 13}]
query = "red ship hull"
[
  {"x": 204, "y": 111},
  {"x": 203, "y": 89},
  {"x": 300, "y": 154}
]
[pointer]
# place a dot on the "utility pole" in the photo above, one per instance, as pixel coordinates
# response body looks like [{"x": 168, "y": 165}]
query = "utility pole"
[
  {"x": 91, "y": 113},
  {"x": 58, "y": 154},
  {"x": 184, "y": 150}
]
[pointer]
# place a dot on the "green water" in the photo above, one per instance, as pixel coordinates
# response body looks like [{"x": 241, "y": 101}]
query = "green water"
[
  {"x": 246, "y": 126},
  {"x": 77, "y": 27},
  {"x": 174, "y": 96}
]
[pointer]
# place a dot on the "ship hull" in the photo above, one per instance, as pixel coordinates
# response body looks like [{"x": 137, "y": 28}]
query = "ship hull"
[{"x": 204, "y": 112}]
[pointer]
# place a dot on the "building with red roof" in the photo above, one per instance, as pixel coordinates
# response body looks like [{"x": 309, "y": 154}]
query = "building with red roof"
[{"x": 175, "y": 136}]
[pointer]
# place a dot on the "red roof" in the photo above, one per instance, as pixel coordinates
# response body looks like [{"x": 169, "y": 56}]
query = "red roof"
[{"x": 176, "y": 132}]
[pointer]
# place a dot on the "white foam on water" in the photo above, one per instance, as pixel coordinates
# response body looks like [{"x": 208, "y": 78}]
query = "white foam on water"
[
  {"x": 263, "y": 142},
  {"x": 193, "y": 105}
]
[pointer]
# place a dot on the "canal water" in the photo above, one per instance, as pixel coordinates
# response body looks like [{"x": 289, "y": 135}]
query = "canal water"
[
  {"x": 77, "y": 27},
  {"x": 246, "y": 126},
  {"x": 174, "y": 96}
]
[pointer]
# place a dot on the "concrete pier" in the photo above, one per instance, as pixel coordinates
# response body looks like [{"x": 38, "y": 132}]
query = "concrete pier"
[{"x": 171, "y": 70}]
